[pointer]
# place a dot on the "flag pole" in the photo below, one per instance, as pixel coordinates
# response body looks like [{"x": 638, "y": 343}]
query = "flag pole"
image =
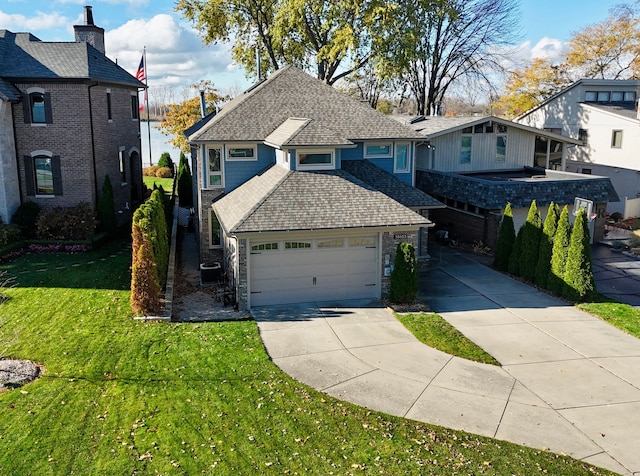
[{"x": 146, "y": 96}]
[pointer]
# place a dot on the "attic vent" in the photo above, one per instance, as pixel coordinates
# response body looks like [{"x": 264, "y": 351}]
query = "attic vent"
[{"x": 416, "y": 119}]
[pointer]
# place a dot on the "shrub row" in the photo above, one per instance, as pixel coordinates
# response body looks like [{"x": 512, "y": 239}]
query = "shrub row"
[
  {"x": 556, "y": 257},
  {"x": 157, "y": 171},
  {"x": 150, "y": 254}
]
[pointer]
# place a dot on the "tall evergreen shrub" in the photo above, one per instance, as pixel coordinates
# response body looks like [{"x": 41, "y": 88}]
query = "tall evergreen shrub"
[
  {"x": 404, "y": 277},
  {"x": 106, "y": 207},
  {"x": 185, "y": 183},
  {"x": 166, "y": 161},
  {"x": 145, "y": 290},
  {"x": 514, "y": 259},
  {"x": 506, "y": 239},
  {"x": 559, "y": 253},
  {"x": 530, "y": 243},
  {"x": 545, "y": 250},
  {"x": 579, "y": 282}
]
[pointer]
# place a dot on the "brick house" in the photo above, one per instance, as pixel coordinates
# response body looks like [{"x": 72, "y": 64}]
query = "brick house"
[
  {"x": 303, "y": 193},
  {"x": 69, "y": 118}
]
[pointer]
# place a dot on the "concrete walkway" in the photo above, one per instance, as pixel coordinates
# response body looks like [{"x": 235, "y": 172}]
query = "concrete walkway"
[{"x": 569, "y": 382}]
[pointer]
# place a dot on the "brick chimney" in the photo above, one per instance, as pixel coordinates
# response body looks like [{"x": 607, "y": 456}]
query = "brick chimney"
[{"x": 89, "y": 33}]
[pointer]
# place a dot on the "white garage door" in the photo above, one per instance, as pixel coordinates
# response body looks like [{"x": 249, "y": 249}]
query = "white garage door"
[{"x": 293, "y": 271}]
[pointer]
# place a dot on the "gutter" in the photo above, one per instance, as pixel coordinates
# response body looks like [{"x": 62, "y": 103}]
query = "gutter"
[{"x": 93, "y": 143}]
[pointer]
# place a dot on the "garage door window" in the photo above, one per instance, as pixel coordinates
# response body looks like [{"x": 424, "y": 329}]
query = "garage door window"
[
  {"x": 265, "y": 247},
  {"x": 362, "y": 242},
  {"x": 338, "y": 243},
  {"x": 297, "y": 245}
]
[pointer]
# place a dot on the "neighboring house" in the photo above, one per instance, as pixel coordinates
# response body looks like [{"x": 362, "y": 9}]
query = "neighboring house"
[
  {"x": 304, "y": 193},
  {"x": 69, "y": 117},
  {"x": 603, "y": 114},
  {"x": 475, "y": 165}
]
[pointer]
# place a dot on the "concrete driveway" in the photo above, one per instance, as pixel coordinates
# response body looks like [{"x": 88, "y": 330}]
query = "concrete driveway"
[{"x": 568, "y": 382}]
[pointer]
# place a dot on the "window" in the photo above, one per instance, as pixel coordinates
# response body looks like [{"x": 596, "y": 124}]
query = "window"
[
  {"x": 501, "y": 148},
  {"x": 122, "y": 165},
  {"x": 478, "y": 129},
  {"x": 501, "y": 129},
  {"x": 401, "y": 162},
  {"x": 583, "y": 135},
  {"x": 216, "y": 232},
  {"x": 586, "y": 171},
  {"x": 362, "y": 242},
  {"x": 380, "y": 150},
  {"x": 135, "y": 106},
  {"x": 337, "y": 243},
  {"x": 591, "y": 96},
  {"x": 617, "y": 96},
  {"x": 317, "y": 159},
  {"x": 604, "y": 96},
  {"x": 43, "y": 174},
  {"x": 616, "y": 139},
  {"x": 214, "y": 167},
  {"x": 109, "y": 114},
  {"x": 36, "y": 107},
  {"x": 465, "y": 150},
  {"x": 241, "y": 152},
  {"x": 265, "y": 247},
  {"x": 630, "y": 96},
  {"x": 296, "y": 245}
]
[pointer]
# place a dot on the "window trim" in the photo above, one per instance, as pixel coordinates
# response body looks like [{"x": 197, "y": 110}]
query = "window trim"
[
  {"x": 326, "y": 166},
  {"x": 253, "y": 147},
  {"x": 462, "y": 138},
  {"x": 30, "y": 174},
  {"x": 502, "y": 158},
  {"x": 207, "y": 171},
  {"x": 135, "y": 107},
  {"x": 212, "y": 218},
  {"x": 27, "y": 106},
  {"x": 368, "y": 155},
  {"x": 407, "y": 168},
  {"x": 122, "y": 165}
]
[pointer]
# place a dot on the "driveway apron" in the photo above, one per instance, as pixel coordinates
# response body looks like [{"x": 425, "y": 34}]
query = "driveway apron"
[{"x": 568, "y": 382}]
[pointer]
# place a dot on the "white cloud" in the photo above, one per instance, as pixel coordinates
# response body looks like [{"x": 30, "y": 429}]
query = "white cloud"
[
  {"x": 175, "y": 53},
  {"x": 40, "y": 21}
]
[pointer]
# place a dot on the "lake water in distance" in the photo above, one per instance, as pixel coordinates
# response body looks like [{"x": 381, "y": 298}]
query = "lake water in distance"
[{"x": 159, "y": 144}]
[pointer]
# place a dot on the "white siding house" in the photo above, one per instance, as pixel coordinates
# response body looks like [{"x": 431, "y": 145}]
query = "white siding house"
[{"x": 603, "y": 114}]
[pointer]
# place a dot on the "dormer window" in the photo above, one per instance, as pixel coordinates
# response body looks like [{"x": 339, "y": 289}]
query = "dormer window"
[
  {"x": 315, "y": 159},
  {"x": 37, "y": 107},
  {"x": 378, "y": 150}
]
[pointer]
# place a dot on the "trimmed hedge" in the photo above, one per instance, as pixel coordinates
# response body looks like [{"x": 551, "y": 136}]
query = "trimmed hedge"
[
  {"x": 543, "y": 268},
  {"x": 67, "y": 223},
  {"x": 404, "y": 277},
  {"x": 559, "y": 253},
  {"x": 530, "y": 243},
  {"x": 579, "y": 282},
  {"x": 506, "y": 240}
]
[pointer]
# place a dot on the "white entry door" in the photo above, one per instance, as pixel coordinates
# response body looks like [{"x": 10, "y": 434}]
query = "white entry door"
[{"x": 307, "y": 270}]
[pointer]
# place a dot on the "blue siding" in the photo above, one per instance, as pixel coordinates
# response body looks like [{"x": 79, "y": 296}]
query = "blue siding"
[{"x": 238, "y": 172}]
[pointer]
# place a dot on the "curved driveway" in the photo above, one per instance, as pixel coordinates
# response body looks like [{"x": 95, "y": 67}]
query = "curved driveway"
[{"x": 568, "y": 382}]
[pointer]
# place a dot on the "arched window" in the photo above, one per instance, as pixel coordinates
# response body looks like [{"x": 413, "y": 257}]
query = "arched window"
[
  {"x": 37, "y": 106},
  {"x": 43, "y": 174}
]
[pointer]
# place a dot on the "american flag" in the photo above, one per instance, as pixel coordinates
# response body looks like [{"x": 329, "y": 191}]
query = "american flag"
[{"x": 141, "y": 76}]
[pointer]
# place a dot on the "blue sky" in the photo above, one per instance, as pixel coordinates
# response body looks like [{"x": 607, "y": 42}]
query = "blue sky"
[{"x": 177, "y": 58}]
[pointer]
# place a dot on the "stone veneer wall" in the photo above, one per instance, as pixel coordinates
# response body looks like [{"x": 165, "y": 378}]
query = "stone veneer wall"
[{"x": 390, "y": 241}]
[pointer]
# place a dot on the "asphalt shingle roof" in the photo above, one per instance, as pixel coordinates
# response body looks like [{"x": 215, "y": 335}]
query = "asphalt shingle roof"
[
  {"x": 23, "y": 56},
  {"x": 290, "y": 92},
  {"x": 389, "y": 184},
  {"x": 284, "y": 200}
]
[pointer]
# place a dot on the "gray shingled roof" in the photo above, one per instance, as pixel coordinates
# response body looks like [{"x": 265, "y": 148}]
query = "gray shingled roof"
[
  {"x": 305, "y": 132},
  {"x": 389, "y": 184},
  {"x": 23, "y": 56},
  {"x": 284, "y": 200},
  {"x": 624, "y": 109},
  {"x": 290, "y": 92},
  {"x": 8, "y": 92}
]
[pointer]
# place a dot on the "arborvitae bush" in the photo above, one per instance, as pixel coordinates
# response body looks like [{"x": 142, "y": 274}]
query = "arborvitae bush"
[
  {"x": 530, "y": 243},
  {"x": 514, "y": 259},
  {"x": 106, "y": 207},
  {"x": 404, "y": 277},
  {"x": 579, "y": 283},
  {"x": 559, "y": 253},
  {"x": 546, "y": 245},
  {"x": 185, "y": 183},
  {"x": 506, "y": 239},
  {"x": 145, "y": 290},
  {"x": 26, "y": 217},
  {"x": 166, "y": 161}
]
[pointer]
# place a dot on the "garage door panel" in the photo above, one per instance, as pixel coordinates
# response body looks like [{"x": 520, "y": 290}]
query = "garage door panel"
[{"x": 287, "y": 275}]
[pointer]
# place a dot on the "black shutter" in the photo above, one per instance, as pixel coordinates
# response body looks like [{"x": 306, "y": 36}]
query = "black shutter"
[
  {"x": 26, "y": 108},
  {"x": 29, "y": 176},
  {"x": 48, "y": 115},
  {"x": 56, "y": 170}
]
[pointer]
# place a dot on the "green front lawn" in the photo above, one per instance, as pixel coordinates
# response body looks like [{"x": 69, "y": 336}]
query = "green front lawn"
[
  {"x": 120, "y": 396},
  {"x": 167, "y": 183},
  {"x": 622, "y": 316}
]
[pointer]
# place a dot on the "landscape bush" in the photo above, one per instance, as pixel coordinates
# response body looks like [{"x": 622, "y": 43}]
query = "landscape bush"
[
  {"x": 164, "y": 172},
  {"x": 26, "y": 217},
  {"x": 9, "y": 234},
  {"x": 404, "y": 277},
  {"x": 166, "y": 161},
  {"x": 545, "y": 250},
  {"x": 185, "y": 183},
  {"x": 516, "y": 252},
  {"x": 106, "y": 207},
  {"x": 559, "y": 253},
  {"x": 67, "y": 223},
  {"x": 150, "y": 171},
  {"x": 530, "y": 243},
  {"x": 579, "y": 282},
  {"x": 506, "y": 239}
]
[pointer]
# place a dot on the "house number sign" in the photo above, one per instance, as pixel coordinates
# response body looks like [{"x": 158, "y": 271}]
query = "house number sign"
[{"x": 400, "y": 236}]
